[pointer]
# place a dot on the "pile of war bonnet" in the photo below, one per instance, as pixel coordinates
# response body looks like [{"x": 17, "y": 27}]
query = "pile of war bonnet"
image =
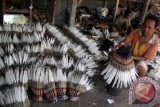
[{"x": 55, "y": 64}]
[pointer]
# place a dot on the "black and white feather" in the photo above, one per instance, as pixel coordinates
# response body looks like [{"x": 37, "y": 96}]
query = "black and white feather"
[
  {"x": 90, "y": 43},
  {"x": 14, "y": 96}
]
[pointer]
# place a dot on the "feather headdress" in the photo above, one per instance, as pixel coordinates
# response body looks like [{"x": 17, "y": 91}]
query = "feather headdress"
[
  {"x": 2, "y": 81},
  {"x": 75, "y": 48},
  {"x": 60, "y": 48},
  {"x": 14, "y": 97},
  {"x": 78, "y": 83},
  {"x": 61, "y": 84},
  {"x": 18, "y": 44},
  {"x": 2, "y": 64},
  {"x": 67, "y": 62},
  {"x": 90, "y": 43},
  {"x": 56, "y": 33},
  {"x": 22, "y": 28},
  {"x": 19, "y": 57},
  {"x": 49, "y": 85},
  {"x": 120, "y": 71},
  {"x": 37, "y": 82},
  {"x": 80, "y": 67},
  {"x": 16, "y": 76}
]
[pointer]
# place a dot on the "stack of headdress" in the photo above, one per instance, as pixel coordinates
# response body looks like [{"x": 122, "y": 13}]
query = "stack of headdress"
[
  {"x": 54, "y": 66},
  {"x": 15, "y": 63},
  {"x": 82, "y": 65}
]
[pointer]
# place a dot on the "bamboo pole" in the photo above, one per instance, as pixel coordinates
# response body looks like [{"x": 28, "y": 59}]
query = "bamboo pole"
[
  {"x": 117, "y": 3},
  {"x": 31, "y": 11},
  {"x": 79, "y": 2},
  {"x": 145, "y": 8},
  {"x": 72, "y": 11},
  {"x": 105, "y": 4},
  {"x": 53, "y": 11}
]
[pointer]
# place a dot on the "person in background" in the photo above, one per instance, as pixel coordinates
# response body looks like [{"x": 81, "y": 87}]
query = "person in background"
[
  {"x": 119, "y": 11},
  {"x": 123, "y": 23},
  {"x": 144, "y": 43}
]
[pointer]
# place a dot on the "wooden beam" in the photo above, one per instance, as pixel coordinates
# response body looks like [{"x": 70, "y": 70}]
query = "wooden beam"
[
  {"x": 117, "y": 3},
  {"x": 3, "y": 10},
  {"x": 145, "y": 9},
  {"x": 31, "y": 11},
  {"x": 105, "y": 4},
  {"x": 72, "y": 11},
  {"x": 79, "y": 2},
  {"x": 53, "y": 11},
  {"x": 4, "y": 6}
]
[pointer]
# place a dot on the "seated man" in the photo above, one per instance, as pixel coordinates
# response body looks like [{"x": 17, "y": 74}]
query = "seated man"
[{"x": 144, "y": 43}]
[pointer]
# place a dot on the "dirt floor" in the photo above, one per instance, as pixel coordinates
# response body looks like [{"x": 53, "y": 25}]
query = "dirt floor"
[{"x": 97, "y": 97}]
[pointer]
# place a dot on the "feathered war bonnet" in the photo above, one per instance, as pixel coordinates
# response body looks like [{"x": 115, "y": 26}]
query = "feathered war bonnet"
[
  {"x": 49, "y": 85},
  {"x": 37, "y": 82},
  {"x": 61, "y": 84},
  {"x": 14, "y": 97},
  {"x": 13, "y": 93},
  {"x": 78, "y": 83},
  {"x": 120, "y": 71},
  {"x": 78, "y": 49}
]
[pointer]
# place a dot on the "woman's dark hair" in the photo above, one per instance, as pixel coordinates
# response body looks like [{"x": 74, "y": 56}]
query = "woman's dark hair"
[{"x": 153, "y": 17}]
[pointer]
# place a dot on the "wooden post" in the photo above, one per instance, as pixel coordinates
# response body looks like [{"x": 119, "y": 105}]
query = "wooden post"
[
  {"x": 117, "y": 3},
  {"x": 145, "y": 8},
  {"x": 4, "y": 6},
  {"x": 80, "y": 1},
  {"x": 105, "y": 4},
  {"x": 72, "y": 7},
  {"x": 53, "y": 11},
  {"x": 3, "y": 10},
  {"x": 31, "y": 10}
]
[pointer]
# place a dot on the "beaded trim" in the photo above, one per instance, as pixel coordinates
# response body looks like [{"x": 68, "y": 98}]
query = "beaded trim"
[
  {"x": 61, "y": 84},
  {"x": 49, "y": 87},
  {"x": 78, "y": 87},
  {"x": 120, "y": 59},
  {"x": 120, "y": 66},
  {"x": 36, "y": 84}
]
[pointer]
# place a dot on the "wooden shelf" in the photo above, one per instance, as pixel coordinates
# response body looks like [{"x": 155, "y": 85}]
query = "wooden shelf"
[
  {"x": 135, "y": 1},
  {"x": 27, "y": 12},
  {"x": 16, "y": 11}
]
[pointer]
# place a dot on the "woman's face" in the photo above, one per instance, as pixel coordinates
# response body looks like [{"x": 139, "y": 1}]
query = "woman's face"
[{"x": 149, "y": 27}]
